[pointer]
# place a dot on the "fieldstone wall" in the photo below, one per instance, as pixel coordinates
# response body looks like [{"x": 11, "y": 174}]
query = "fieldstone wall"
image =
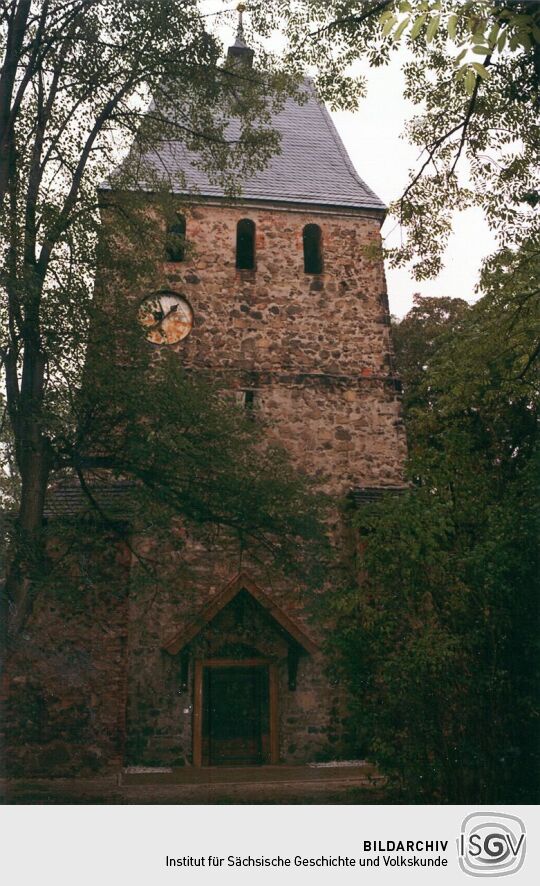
[
  {"x": 313, "y": 721},
  {"x": 94, "y": 685},
  {"x": 315, "y": 352},
  {"x": 277, "y": 317},
  {"x": 65, "y": 711},
  {"x": 315, "y": 349}
]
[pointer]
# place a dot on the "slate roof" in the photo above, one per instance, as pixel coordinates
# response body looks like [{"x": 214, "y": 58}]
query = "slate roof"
[
  {"x": 67, "y": 499},
  {"x": 366, "y": 495},
  {"x": 313, "y": 166}
]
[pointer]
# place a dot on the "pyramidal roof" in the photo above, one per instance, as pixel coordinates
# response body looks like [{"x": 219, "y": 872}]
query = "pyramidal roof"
[{"x": 313, "y": 166}]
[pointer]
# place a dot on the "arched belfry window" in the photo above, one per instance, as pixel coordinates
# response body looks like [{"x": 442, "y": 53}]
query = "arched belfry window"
[
  {"x": 313, "y": 260},
  {"x": 245, "y": 245},
  {"x": 175, "y": 247}
]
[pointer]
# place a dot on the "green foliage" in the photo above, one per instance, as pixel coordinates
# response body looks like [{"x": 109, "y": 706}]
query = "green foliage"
[
  {"x": 438, "y": 635},
  {"x": 190, "y": 451},
  {"x": 76, "y": 84},
  {"x": 440, "y": 645},
  {"x": 472, "y": 70},
  {"x": 97, "y": 65}
]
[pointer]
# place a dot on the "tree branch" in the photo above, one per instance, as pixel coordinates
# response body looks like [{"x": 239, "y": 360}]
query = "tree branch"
[
  {"x": 468, "y": 115},
  {"x": 352, "y": 19},
  {"x": 52, "y": 235},
  {"x": 532, "y": 359},
  {"x": 434, "y": 146}
]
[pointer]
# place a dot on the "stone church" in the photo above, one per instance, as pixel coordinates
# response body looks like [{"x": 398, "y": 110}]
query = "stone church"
[{"x": 280, "y": 295}]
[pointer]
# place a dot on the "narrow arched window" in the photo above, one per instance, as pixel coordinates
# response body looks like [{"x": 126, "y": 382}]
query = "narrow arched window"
[
  {"x": 245, "y": 245},
  {"x": 175, "y": 246},
  {"x": 313, "y": 262}
]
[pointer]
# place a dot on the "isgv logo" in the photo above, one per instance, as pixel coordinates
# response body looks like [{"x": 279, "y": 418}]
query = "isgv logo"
[{"x": 491, "y": 844}]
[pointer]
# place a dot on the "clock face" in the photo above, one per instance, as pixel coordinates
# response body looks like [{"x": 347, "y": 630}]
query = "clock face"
[{"x": 166, "y": 317}]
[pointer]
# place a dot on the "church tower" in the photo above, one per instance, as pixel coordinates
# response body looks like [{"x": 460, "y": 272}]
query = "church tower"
[{"x": 283, "y": 299}]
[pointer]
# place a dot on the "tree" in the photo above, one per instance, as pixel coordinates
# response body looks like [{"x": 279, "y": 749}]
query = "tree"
[
  {"x": 82, "y": 400},
  {"x": 434, "y": 632},
  {"x": 75, "y": 83},
  {"x": 417, "y": 341},
  {"x": 438, "y": 636},
  {"x": 473, "y": 70}
]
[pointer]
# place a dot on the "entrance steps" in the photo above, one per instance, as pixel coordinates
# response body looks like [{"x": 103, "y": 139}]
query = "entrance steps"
[
  {"x": 361, "y": 776},
  {"x": 252, "y": 785}
]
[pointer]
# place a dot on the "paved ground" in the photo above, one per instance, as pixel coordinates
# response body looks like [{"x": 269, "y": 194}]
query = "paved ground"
[{"x": 215, "y": 786}]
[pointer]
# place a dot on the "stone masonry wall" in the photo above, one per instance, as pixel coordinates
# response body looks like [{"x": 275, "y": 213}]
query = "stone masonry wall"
[
  {"x": 315, "y": 351},
  {"x": 67, "y": 675},
  {"x": 313, "y": 717},
  {"x": 94, "y": 685},
  {"x": 314, "y": 348}
]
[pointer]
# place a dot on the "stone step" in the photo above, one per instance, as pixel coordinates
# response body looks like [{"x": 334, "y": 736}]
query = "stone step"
[{"x": 366, "y": 776}]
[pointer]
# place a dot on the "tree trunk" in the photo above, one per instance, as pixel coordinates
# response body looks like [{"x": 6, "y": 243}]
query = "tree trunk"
[
  {"x": 27, "y": 556},
  {"x": 3, "y": 673},
  {"x": 13, "y": 47},
  {"x": 27, "y": 559},
  {"x": 34, "y": 463}
]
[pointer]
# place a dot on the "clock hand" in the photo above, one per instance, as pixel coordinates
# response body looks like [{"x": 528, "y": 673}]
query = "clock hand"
[
  {"x": 180, "y": 321},
  {"x": 159, "y": 322}
]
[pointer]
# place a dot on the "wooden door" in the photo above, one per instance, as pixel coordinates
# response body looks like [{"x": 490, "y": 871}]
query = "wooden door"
[{"x": 235, "y": 725}]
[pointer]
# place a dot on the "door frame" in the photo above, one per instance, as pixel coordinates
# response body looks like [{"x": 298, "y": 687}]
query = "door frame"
[{"x": 273, "y": 708}]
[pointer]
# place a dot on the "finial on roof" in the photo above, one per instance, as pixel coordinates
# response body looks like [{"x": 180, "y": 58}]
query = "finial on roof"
[
  {"x": 240, "y": 32},
  {"x": 240, "y": 51}
]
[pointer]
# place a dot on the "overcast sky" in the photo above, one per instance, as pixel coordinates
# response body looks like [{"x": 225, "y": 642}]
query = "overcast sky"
[
  {"x": 382, "y": 157},
  {"x": 372, "y": 136}
]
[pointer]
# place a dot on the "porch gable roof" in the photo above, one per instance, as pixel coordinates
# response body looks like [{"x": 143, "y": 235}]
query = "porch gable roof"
[{"x": 240, "y": 582}]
